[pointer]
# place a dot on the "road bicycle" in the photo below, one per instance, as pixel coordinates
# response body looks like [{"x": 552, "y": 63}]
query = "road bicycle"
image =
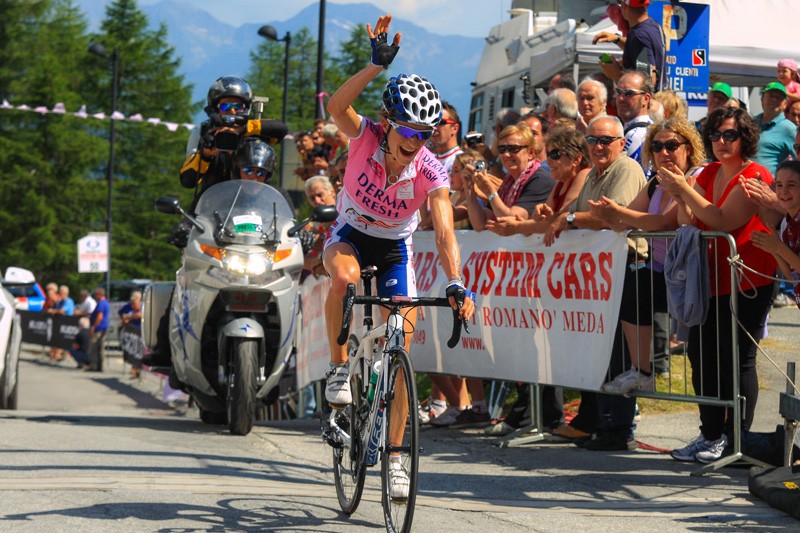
[{"x": 360, "y": 432}]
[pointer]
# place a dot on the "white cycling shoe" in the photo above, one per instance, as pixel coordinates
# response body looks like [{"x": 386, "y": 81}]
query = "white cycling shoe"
[
  {"x": 337, "y": 388},
  {"x": 398, "y": 481}
]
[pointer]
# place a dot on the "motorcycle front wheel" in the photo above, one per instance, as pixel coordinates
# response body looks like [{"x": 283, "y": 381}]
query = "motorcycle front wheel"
[{"x": 242, "y": 387}]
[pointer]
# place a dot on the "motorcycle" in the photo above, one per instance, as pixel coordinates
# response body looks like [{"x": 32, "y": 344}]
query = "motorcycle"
[{"x": 233, "y": 318}]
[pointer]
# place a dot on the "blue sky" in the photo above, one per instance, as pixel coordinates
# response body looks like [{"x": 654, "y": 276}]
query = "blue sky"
[{"x": 446, "y": 17}]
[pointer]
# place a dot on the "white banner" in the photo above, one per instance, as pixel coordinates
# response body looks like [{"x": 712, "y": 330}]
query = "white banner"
[
  {"x": 543, "y": 315},
  {"x": 93, "y": 253}
]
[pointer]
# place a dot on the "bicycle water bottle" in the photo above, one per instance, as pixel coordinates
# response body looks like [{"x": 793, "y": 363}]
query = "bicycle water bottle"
[{"x": 373, "y": 380}]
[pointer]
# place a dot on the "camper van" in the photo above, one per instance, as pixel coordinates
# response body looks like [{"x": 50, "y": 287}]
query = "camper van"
[{"x": 544, "y": 37}]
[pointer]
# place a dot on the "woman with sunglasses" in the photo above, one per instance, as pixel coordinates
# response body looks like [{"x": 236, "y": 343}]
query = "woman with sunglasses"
[
  {"x": 526, "y": 183},
  {"x": 390, "y": 174},
  {"x": 718, "y": 202},
  {"x": 568, "y": 159},
  {"x": 670, "y": 142}
]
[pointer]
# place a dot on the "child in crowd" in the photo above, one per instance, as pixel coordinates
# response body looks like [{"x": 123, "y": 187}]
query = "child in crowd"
[
  {"x": 787, "y": 75},
  {"x": 784, "y": 244}
]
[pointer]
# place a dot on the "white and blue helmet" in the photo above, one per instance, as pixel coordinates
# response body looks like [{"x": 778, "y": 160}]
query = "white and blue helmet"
[{"x": 413, "y": 99}]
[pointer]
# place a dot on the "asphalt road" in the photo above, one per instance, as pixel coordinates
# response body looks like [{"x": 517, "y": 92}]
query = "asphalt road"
[{"x": 100, "y": 452}]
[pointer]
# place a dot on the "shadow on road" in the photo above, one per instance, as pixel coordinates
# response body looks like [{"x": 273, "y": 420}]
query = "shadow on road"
[{"x": 234, "y": 514}]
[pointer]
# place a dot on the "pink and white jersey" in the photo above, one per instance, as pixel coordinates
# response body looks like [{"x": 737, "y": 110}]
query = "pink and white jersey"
[{"x": 391, "y": 212}]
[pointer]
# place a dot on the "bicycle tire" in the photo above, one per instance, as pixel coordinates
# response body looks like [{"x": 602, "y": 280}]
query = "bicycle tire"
[
  {"x": 398, "y": 513},
  {"x": 349, "y": 469}
]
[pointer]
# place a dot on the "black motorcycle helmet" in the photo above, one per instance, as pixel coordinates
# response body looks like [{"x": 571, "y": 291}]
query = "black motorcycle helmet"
[
  {"x": 228, "y": 87},
  {"x": 255, "y": 152}
]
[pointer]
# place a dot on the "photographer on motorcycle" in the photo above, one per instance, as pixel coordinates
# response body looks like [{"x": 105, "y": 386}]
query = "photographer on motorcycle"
[{"x": 210, "y": 157}]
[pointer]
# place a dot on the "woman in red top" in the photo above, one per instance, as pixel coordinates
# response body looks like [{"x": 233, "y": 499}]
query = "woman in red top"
[{"x": 718, "y": 203}]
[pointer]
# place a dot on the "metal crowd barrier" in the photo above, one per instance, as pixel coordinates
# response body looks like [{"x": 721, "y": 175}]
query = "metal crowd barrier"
[{"x": 682, "y": 392}]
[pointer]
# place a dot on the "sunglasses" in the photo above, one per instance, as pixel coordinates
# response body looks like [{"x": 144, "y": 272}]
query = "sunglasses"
[
  {"x": 727, "y": 135},
  {"x": 411, "y": 133},
  {"x": 629, "y": 93},
  {"x": 509, "y": 148},
  {"x": 260, "y": 172},
  {"x": 604, "y": 140},
  {"x": 555, "y": 154},
  {"x": 232, "y": 106},
  {"x": 447, "y": 121},
  {"x": 671, "y": 145}
]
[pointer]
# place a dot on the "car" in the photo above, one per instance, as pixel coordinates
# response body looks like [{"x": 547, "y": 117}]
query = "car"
[
  {"x": 28, "y": 294},
  {"x": 10, "y": 341}
]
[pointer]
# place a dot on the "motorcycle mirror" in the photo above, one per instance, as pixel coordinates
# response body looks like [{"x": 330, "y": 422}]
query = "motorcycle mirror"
[
  {"x": 322, "y": 213},
  {"x": 169, "y": 205},
  {"x": 325, "y": 213}
]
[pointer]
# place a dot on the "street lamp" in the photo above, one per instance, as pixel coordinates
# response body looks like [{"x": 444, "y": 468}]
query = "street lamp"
[
  {"x": 99, "y": 50},
  {"x": 269, "y": 32}
]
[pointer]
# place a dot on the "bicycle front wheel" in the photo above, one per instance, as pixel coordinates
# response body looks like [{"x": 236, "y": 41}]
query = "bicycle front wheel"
[
  {"x": 348, "y": 462},
  {"x": 400, "y": 457}
]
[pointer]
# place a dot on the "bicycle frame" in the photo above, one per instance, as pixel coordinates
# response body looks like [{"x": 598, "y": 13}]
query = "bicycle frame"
[{"x": 393, "y": 336}]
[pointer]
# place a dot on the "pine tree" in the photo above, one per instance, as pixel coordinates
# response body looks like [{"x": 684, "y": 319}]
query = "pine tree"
[
  {"x": 48, "y": 202},
  {"x": 148, "y": 158}
]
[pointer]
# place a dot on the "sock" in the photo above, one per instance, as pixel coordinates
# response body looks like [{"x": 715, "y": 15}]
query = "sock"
[{"x": 441, "y": 404}]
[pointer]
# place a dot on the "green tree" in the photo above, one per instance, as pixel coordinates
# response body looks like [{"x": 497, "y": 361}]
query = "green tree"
[
  {"x": 47, "y": 200},
  {"x": 52, "y": 166},
  {"x": 148, "y": 158},
  {"x": 354, "y": 54}
]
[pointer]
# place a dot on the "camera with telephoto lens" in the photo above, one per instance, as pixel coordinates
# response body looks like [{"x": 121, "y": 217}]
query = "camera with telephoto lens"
[
  {"x": 473, "y": 139},
  {"x": 480, "y": 166},
  {"x": 226, "y": 140}
]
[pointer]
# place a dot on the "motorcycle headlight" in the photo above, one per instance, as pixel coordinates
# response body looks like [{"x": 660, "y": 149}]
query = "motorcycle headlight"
[{"x": 245, "y": 268}]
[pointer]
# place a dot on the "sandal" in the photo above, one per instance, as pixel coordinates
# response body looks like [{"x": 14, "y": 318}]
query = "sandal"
[{"x": 568, "y": 432}]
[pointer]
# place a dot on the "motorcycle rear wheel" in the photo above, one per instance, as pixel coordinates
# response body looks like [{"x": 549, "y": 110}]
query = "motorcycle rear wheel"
[{"x": 242, "y": 387}]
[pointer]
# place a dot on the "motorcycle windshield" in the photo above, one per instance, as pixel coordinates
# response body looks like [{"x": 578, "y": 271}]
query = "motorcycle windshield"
[{"x": 245, "y": 212}]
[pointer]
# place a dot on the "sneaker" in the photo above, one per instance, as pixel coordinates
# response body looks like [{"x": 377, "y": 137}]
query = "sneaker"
[
  {"x": 690, "y": 451},
  {"x": 447, "y": 418},
  {"x": 628, "y": 381},
  {"x": 500, "y": 429},
  {"x": 398, "y": 481},
  {"x": 470, "y": 418},
  {"x": 782, "y": 300},
  {"x": 430, "y": 410},
  {"x": 714, "y": 450},
  {"x": 337, "y": 389},
  {"x": 609, "y": 441}
]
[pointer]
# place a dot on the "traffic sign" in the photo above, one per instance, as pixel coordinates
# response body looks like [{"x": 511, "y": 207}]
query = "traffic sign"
[{"x": 93, "y": 253}]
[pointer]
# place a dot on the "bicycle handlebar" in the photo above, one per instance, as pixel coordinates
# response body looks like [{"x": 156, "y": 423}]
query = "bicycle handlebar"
[{"x": 351, "y": 299}]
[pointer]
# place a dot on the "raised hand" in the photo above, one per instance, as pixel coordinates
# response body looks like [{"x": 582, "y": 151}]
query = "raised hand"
[{"x": 383, "y": 53}]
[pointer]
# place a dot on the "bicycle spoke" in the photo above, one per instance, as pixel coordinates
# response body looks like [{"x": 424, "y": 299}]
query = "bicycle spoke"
[{"x": 402, "y": 450}]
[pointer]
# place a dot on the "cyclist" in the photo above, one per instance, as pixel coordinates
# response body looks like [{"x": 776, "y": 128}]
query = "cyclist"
[{"x": 389, "y": 176}]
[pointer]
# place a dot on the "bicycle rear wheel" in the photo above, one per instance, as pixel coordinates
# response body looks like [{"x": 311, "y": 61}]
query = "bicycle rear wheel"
[
  {"x": 403, "y": 430},
  {"x": 348, "y": 462}
]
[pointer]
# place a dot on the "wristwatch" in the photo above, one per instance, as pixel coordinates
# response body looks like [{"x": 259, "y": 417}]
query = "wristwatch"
[
  {"x": 491, "y": 197},
  {"x": 571, "y": 218}
]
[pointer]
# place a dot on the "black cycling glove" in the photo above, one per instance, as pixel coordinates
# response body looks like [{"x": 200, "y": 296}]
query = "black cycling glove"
[{"x": 382, "y": 52}]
